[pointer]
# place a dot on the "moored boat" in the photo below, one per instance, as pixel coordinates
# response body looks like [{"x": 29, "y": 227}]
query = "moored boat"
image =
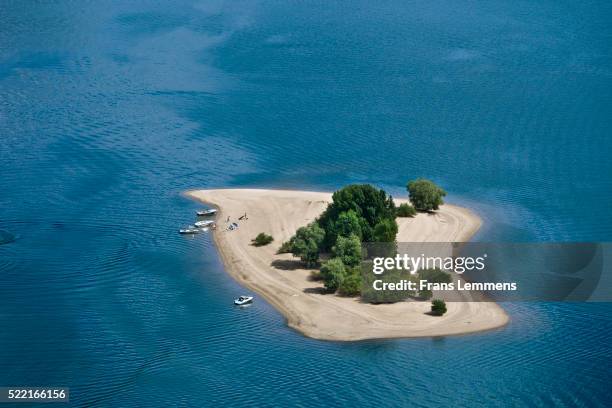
[
  {"x": 203, "y": 224},
  {"x": 203, "y": 213},
  {"x": 243, "y": 300}
]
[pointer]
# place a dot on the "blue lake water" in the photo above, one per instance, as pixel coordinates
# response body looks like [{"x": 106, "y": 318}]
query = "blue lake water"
[{"x": 109, "y": 110}]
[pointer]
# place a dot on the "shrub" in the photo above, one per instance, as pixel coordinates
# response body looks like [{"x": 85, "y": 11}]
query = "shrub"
[
  {"x": 333, "y": 273},
  {"x": 406, "y": 210},
  {"x": 285, "y": 248},
  {"x": 347, "y": 224},
  {"x": 348, "y": 250},
  {"x": 425, "y": 195},
  {"x": 351, "y": 284},
  {"x": 371, "y": 295},
  {"x": 262, "y": 239},
  {"x": 434, "y": 275},
  {"x": 385, "y": 231},
  {"x": 425, "y": 294},
  {"x": 438, "y": 307},
  {"x": 307, "y": 242}
]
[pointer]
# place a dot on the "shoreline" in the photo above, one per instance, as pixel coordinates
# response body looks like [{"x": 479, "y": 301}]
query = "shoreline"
[{"x": 286, "y": 284}]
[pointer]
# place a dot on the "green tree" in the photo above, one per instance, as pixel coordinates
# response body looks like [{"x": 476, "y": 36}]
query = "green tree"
[
  {"x": 369, "y": 204},
  {"x": 406, "y": 210},
  {"x": 307, "y": 242},
  {"x": 262, "y": 239},
  {"x": 347, "y": 224},
  {"x": 351, "y": 284},
  {"x": 333, "y": 273},
  {"x": 348, "y": 249},
  {"x": 385, "y": 231},
  {"x": 285, "y": 248},
  {"x": 371, "y": 295},
  {"x": 438, "y": 307},
  {"x": 425, "y": 195}
]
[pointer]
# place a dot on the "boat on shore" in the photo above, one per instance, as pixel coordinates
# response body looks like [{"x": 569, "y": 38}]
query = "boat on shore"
[
  {"x": 204, "y": 213},
  {"x": 204, "y": 224},
  {"x": 243, "y": 300}
]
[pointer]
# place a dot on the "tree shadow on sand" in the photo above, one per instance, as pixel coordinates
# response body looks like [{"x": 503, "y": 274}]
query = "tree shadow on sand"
[{"x": 319, "y": 290}]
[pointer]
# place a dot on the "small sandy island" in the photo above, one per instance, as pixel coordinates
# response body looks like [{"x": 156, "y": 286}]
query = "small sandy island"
[{"x": 283, "y": 282}]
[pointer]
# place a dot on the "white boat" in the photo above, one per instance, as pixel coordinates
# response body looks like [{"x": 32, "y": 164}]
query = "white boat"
[
  {"x": 204, "y": 213},
  {"x": 243, "y": 300},
  {"x": 189, "y": 231},
  {"x": 203, "y": 224}
]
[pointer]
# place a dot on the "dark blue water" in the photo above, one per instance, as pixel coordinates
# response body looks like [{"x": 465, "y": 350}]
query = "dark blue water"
[{"x": 109, "y": 110}]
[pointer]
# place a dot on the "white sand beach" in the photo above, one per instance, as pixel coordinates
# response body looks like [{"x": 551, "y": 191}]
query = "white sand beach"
[{"x": 282, "y": 280}]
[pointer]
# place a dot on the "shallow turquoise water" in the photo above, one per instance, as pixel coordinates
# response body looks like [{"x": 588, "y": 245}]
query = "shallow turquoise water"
[{"x": 109, "y": 111}]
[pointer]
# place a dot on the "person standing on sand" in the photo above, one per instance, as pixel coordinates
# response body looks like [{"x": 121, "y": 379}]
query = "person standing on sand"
[{"x": 228, "y": 218}]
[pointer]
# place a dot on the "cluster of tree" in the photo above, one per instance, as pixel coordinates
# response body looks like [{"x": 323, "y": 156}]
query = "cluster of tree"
[
  {"x": 262, "y": 239},
  {"x": 358, "y": 213},
  {"x": 342, "y": 272},
  {"x": 370, "y": 295},
  {"x": 342, "y": 278},
  {"x": 397, "y": 276},
  {"x": 362, "y": 210}
]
